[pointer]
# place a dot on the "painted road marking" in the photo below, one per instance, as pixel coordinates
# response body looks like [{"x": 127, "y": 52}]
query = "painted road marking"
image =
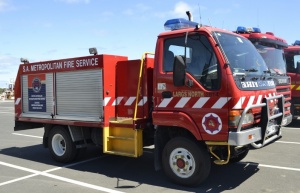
[
  {"x": 27, "y": 135},
  {"x": 269, "y": 166},
  {"x": 45, "y": 173},
  {"x": 290, "y": 128},
  {"x": 289, "y": 142},
  {"x": 7, "y": 113}
]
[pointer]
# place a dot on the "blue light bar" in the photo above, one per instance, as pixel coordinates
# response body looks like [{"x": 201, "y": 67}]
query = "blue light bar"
[
  {"x": 256, "y": 30},
  {"x": 297, "y": 42},
  {"x": 242, "y": 29},
  {"x": 179, "y": 23}
]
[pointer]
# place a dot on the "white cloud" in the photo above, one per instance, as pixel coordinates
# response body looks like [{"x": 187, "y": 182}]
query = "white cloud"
[
  {"x": 8, "y": 69},
  {"x": 181, "y": 8},
  {"x": 5, "y": 6}
]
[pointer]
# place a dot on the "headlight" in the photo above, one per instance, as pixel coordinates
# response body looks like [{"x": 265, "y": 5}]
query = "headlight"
[{"x": 235, "y": 116}]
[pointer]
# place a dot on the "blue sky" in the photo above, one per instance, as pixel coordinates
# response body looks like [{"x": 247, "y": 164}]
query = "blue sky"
[{"x": 52, "y": 29}]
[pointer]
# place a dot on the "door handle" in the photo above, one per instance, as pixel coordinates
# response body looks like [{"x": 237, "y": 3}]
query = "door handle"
[{"x": 166, "y": 94}]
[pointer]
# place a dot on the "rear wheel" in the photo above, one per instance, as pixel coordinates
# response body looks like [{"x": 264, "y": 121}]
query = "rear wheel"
[
  {"x": 185, "y": 162},
  {"x": 60, "y": 144}
]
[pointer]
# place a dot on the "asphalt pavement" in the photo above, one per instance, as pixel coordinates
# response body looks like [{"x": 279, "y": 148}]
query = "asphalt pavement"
[{"x": 26, "y": 166}]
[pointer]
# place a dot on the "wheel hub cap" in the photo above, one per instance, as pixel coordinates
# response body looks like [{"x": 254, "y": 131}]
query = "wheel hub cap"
[{"x": 182, "y": 162}]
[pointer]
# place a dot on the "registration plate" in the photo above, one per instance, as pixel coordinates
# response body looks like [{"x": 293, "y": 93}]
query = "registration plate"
[
  {"x": 271, "y": 129},
  {"x": 284, "y": 121}
]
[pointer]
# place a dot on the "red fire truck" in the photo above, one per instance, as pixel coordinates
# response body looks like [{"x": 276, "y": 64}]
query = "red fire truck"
[
  {"x": 205, "y": 96},
  {"x": 292, "y": 55},
  {"x": 271, "y": 48}
]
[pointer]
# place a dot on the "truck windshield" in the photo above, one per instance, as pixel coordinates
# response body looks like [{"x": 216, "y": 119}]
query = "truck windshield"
[
  {"x": 242, "y": 56},
  {"x": 274, "y": 58}
]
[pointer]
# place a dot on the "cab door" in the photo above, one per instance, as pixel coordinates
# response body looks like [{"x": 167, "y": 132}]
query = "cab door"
[{"x": 198, "y": 104}]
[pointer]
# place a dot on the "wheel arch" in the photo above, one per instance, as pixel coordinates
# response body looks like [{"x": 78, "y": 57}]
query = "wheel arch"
[{"x": 178, "y": 119}]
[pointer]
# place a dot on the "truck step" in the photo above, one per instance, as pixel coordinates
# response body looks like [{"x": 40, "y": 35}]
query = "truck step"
[{"x": 120, "y": 138}]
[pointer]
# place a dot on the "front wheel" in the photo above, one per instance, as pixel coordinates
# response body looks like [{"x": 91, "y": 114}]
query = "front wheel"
[
  {"x": 185, "y": 162},
  {"x": 239, "y": 157},
  {"x": 61, "y": 146}
]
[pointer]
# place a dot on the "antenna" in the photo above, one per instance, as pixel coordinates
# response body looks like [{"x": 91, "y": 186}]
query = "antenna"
[
  {"x": 199, "y": 14},
  {"x": 257, "y": 15}
]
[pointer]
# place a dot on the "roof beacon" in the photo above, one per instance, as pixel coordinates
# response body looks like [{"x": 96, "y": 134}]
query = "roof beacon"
[
  {"x": 297, "y": 43},
  {"x": 242, "y": 29},
  {"x": 179, "y": 23}
]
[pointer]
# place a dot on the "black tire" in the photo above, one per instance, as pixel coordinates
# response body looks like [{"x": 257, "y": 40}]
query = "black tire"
[
  {"x": 61, "y": 146},
  {"x": 185, "y": 162},
  {"x": 239, "y": 157}
]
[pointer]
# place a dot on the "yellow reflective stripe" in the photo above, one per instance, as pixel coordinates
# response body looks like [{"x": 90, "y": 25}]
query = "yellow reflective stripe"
[{"x": 292, "y": 86}]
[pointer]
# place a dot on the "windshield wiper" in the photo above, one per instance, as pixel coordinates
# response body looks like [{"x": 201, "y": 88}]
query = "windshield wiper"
[
  {"x": 265, "y": 72},
  {"x": 251, "y": 70},
  {"x": 274, "y": 72}
]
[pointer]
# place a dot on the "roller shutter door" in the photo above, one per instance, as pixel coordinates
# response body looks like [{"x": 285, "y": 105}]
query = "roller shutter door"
[{"x": 79, "y": 95}]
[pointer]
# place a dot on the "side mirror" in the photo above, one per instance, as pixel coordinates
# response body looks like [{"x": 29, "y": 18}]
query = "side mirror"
[
  {"x": 298, "y": 67},
  {"x": 179, "y": 71}
]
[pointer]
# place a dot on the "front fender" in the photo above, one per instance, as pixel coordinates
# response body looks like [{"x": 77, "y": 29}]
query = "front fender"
[{"x": 177, "y": 119}]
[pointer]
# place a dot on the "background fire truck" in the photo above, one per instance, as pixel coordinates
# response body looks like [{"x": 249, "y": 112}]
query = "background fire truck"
[
  {"x": 292, "y": 55},
  {"x": 271, "y": 48},
  {"x": 196, "y": 101}
]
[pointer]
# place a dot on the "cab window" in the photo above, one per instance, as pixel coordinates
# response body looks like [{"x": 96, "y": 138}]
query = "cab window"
[{"x": 201, "y": 61}]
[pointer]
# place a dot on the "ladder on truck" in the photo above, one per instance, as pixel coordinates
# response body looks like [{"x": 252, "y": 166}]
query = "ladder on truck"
[{"x": 122, "y": 137}]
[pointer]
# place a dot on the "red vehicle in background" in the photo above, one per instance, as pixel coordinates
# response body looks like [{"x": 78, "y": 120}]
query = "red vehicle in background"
[
  {"x": 271, "y": 48},
  {"x": 292, "y": 55}
]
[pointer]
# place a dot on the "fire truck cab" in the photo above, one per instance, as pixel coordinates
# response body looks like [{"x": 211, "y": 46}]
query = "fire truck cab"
[
  {"x": 204, "y": 97},
  {"x": 271, "y": 48},
  {"x": 292, "y": 55}
]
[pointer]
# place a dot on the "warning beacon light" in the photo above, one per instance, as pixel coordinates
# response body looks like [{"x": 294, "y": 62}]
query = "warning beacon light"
[
  {"x": 24, "y": 60},
  {"x": 179, "y": 23},
  {"x": 93, "y": 51},
  {"x": 297, "y": 43},
  {"x": 242, "y": 29}
]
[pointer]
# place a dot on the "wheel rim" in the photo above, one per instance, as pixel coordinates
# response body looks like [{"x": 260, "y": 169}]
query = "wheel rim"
[
  {"x": 58, "y": 144},
  {"x": 182, "y": 162}
]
